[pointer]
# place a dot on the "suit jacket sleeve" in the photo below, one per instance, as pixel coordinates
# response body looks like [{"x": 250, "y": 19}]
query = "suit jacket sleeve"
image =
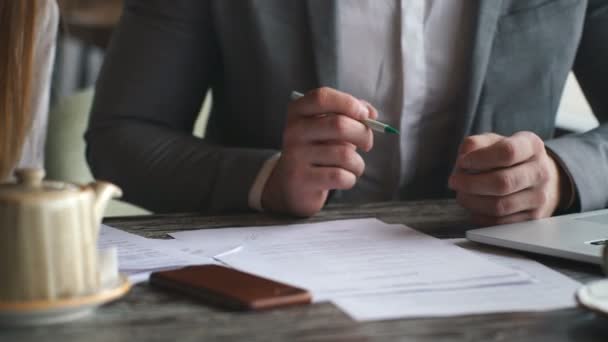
[
  {"x": 586, "y": 155},
  {"x": 162, "y": 60}
]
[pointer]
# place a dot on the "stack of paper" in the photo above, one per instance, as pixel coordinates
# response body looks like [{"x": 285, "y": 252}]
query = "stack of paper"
[
  {"x": 339, "y": 258},
  {"x": 138, "y": 256},
  {"x": 548, "y": 290},
  {"x": 370, "y": 269}
]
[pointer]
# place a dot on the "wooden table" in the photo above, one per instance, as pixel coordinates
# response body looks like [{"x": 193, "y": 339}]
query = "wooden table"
[{"x": 146, "y": 314}]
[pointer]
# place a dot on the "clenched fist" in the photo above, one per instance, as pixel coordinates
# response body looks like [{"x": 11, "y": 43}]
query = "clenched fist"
[{"x": 508, "y": 179}]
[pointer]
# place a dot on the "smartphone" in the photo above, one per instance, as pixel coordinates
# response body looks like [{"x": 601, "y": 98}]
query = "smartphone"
[{"x": 229, "y": 288}]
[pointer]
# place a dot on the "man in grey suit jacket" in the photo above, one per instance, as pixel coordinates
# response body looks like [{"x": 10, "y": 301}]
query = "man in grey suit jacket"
[{"x": 253, "y": 53}]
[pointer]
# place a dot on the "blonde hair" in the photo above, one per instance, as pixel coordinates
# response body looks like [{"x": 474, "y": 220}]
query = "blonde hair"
[{"x": 17, "y": 40}]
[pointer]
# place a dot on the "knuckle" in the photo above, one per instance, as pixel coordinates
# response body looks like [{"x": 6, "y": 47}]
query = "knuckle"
[
  {"x": 339, "y": 124},
  {"x": 542, "y": 173},
  {"x": 493, "y": 136},
  {"x": 509, "y": 151},
  {"x": 536, "y": 142},
  {"x": 504, "y": 183},
  {"x": 542, "y": 198},
  {"x": 502, "y": 207}
]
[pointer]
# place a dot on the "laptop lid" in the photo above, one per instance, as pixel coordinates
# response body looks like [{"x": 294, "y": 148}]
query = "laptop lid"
[{"x": 577, "y": 236}]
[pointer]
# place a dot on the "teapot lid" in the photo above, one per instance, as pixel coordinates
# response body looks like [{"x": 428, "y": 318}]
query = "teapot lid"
[{"x": 31, "y": 186}]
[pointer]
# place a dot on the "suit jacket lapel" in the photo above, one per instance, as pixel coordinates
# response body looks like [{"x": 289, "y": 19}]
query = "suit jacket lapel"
[
  {"x": 484, "y": 30},
  {"x": 322, "y": 18}
]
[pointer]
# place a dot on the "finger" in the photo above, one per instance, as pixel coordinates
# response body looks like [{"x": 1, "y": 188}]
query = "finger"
[
  {"x": 373, "y": 113},
  {"x": 335, "y": 128},
  {"x": 498, "y": 206},
  {"x": 340, "y": 156},
  {"x": 500, "y": 182},
  {"x": 327, "y": 100},
  {"x": 475, "y": 142},
  {"x": 482, "y": 220},
  {"x": 505, "y": 152},
  {"x": 330, "y": 178}
]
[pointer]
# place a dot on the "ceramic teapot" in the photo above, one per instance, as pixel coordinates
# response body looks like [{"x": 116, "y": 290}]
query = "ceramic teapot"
[{"x": 48, "y": 237}]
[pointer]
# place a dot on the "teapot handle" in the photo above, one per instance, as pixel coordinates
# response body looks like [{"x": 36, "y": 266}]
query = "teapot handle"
[{"x": 104, "y": 192}]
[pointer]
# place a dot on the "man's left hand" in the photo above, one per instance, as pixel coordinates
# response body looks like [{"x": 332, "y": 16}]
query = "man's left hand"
[{"x": 506, "y": 179}]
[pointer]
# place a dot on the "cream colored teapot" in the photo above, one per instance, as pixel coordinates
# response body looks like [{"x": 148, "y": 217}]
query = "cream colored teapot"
[{"x": 48, "y": 237}]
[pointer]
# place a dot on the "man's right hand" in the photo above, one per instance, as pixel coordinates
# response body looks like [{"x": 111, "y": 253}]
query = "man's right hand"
[{"x": 319, "y": 151}]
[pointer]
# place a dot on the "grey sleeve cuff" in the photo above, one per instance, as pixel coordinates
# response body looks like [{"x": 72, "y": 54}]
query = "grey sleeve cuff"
[{"x": 584, "y": 158}]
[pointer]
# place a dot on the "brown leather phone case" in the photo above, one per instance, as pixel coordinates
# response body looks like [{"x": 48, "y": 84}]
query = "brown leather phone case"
[{"x": 229, "y": 288}]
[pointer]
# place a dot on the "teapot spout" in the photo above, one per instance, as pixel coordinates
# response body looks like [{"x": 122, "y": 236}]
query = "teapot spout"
[{"x": 104, "y": 192}]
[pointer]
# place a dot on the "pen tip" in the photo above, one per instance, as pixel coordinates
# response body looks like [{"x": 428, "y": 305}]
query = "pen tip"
[
  {"x": 389, "y": 129},
  {"x": 295, "y": 95}
]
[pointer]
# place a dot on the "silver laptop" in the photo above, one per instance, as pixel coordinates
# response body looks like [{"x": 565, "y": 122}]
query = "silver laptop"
[{"x": 578, "y": 236}]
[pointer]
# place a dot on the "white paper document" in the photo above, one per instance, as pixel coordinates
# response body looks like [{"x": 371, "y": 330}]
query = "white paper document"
[
  {"x": 370, "y": 269},
  {"x": 339, "y": 258},
  {"x": 213, "y": 242},
  {"x": 549, "y": 290},
  {"x": 138, "y": 256}
]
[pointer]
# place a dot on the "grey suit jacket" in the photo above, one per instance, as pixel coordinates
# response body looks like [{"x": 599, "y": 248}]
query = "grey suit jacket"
[{"x": 165, "y": 55}]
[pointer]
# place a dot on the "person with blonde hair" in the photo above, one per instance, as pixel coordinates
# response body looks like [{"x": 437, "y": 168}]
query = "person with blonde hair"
[{"x": 28, "y": 30}]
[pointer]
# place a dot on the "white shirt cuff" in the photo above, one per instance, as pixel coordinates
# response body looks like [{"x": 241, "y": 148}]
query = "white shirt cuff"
[{"x": 255, "y": 193}]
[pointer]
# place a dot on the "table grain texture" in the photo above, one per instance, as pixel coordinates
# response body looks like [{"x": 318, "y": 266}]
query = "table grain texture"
[{"x": 146, "y": 314}]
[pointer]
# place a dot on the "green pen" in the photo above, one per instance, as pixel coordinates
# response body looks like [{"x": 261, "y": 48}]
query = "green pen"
[{"x": 373, "y": 124}]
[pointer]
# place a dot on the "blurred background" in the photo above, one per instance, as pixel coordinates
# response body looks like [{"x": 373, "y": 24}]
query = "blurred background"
[{"x": 85, "y": 32}]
